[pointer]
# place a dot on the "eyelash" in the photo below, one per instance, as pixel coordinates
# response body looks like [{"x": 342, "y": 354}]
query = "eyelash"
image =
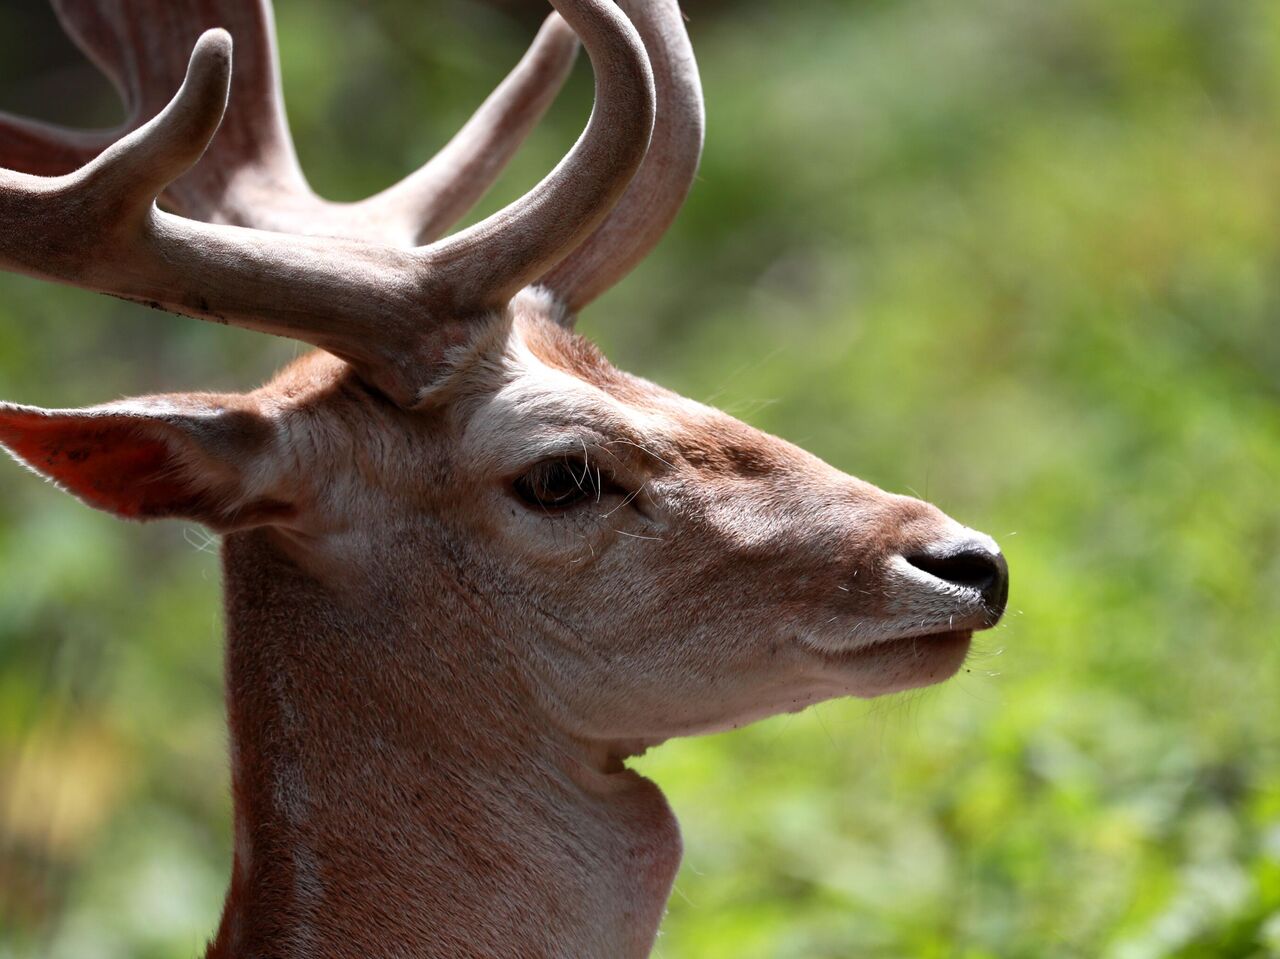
[{"x": 561, "y": 483}]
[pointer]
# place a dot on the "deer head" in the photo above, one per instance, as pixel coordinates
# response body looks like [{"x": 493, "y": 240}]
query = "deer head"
[{"x": 454, "y": 463}]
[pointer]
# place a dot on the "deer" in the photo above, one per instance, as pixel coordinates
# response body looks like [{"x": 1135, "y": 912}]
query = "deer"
[{"x": 469, "y": 567}]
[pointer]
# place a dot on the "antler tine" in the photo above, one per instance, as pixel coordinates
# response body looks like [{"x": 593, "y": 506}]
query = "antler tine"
[
  {"x": 250, "y": 174},
  {"x": 426, "y": 203},
  {"x": 140, "y": 46},
  {"x": 98, "y": 228},
  {"x": 489, "y": 262},
  {"x": 659, "y": 189},
  {"x": 374, "y": 306}
]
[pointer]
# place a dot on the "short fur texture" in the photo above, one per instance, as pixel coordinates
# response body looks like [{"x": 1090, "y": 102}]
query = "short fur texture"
[
  {"x": 432, "y": 685},
  {"x": 435, "y": 673}
]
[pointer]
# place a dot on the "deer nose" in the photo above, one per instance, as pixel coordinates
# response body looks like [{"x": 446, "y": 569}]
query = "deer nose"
[{"x": 972, "y": 564}]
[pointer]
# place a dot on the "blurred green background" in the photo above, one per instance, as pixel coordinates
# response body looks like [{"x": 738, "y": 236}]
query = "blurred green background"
[{"x": 1021, "y": 258}]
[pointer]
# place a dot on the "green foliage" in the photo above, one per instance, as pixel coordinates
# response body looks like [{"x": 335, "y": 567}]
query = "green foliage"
[{"x": 1018, "y": 258}]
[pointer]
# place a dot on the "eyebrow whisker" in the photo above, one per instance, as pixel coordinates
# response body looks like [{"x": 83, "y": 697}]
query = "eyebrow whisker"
[
  {"x": 644, "y": 449},
  {"x": 623, "y": 532}
]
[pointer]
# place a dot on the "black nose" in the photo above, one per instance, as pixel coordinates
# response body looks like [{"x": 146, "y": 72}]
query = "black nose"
[{"x": 972, "y": 566}]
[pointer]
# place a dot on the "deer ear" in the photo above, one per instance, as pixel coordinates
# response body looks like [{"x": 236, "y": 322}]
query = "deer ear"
[{"x": 199, "y": 457}]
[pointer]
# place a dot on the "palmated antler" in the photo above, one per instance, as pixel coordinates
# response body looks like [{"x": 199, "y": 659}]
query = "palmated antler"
[{"x": 250, "y": 176}]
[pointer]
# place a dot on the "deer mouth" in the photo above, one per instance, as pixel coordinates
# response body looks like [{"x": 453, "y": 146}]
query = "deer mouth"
[
  {"x": 894, "y": 664},
  {"x": 923, "y": 643},
  {"x": 935, "y": 642}
]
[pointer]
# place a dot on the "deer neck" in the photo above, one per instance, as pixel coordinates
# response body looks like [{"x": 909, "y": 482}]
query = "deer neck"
[{"x": 400, "y": 792}]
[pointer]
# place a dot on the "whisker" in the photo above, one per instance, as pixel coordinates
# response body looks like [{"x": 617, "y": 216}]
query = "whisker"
[
  {"x": 623, "y": 532},
  {"x": 644, "y": 449}
]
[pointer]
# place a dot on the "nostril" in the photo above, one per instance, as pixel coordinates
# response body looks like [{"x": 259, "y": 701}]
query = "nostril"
[{"x": 973, "y": 567}]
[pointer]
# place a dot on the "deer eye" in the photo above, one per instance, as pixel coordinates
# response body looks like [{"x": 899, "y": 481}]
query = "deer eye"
[{"x": 558, "y": 484}]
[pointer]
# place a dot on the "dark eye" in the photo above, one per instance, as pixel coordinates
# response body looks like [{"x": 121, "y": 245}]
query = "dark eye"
[{"x": 560, "y": 483}]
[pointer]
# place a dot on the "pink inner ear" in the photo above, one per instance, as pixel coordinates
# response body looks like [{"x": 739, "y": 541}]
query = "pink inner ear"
[{"x": 112, "y": 465}]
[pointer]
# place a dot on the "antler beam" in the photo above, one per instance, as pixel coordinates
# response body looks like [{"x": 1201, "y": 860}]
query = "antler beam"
[
  {"x": 375, "y": 306},
  {"x": 659, "y": 189}
]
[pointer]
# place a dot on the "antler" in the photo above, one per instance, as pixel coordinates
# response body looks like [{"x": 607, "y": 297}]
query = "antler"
[
  {"x": 250, "y": 174},
  {"x": 375, "y": 306},
  {"x": 662, "y": 183}
]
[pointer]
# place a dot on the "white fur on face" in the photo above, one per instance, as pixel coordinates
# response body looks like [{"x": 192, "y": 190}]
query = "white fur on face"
[{"x": 542, "y": 412}]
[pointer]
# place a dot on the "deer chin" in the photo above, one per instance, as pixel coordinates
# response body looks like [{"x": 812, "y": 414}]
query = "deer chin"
[{"x": 896, "y": 664}]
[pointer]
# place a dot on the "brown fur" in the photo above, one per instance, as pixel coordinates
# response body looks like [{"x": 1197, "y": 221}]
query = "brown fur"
[
  {"x": 431, "y": 686},
  {"x": 433, "y": 674}
]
